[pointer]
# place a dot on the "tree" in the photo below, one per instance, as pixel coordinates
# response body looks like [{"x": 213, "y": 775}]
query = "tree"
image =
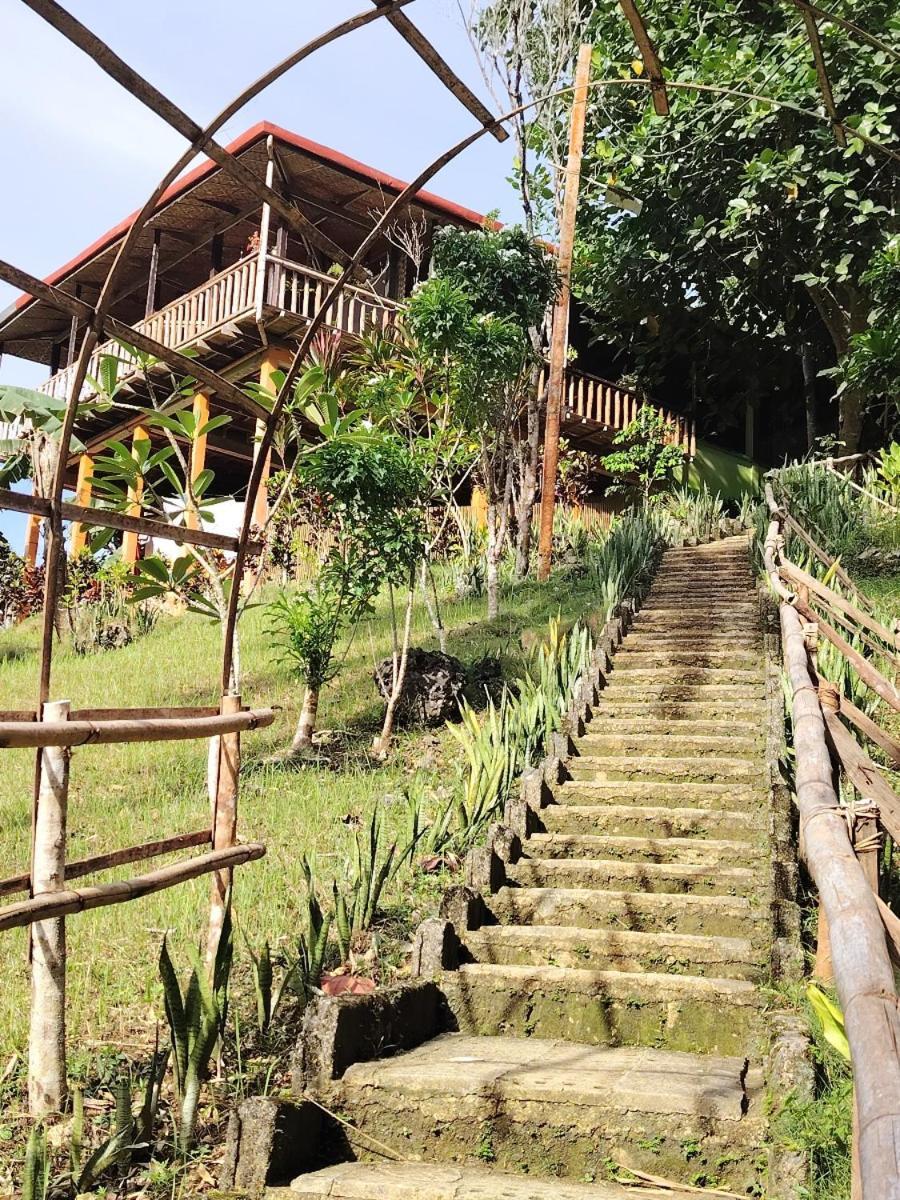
[
  {"x": 648, "y": 459},
  {"x": 505, "y": 274},
  {"x": 487, "y": 360},
  {"x": 755, "y": 225}
]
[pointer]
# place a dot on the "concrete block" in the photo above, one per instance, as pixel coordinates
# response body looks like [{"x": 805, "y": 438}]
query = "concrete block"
[
  {"x": 435, "y": 949},
  {"x": 268, "y": 1143}
]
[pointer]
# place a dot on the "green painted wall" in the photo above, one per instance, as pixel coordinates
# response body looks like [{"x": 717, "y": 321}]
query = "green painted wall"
[{"x": 731, "y": 475}]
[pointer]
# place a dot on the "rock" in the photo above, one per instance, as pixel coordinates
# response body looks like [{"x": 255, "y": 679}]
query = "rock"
[
  {"x": 431, "y": 690},
  {"x": 269, "y": 1142}
]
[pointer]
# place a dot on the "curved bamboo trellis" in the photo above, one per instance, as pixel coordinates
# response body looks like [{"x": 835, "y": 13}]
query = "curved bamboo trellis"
[{"x": 202, "y": 139}]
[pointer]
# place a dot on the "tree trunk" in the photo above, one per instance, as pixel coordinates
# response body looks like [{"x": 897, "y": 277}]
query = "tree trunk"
[
  {"x": 306, "y": 726},
  {"x": 530, "y": 460},
  {"x": 844, "y": 316},
  {"x": 429, "y": 591},
  {"x": 809, "y": 394},
  {"x": 382, "y": 743},
  {"x": 852, "y": 413},
  {"x": 492, "y": 565}
]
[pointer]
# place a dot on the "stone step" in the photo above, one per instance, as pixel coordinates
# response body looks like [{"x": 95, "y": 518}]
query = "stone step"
[
  {"x": 564, "y": 1110},
  {"x": 634, "y": 655},
  {"x": 634, "y": 820},
  {"x": 662, "y": 727},
  {"x": 685, "y": 676},
  {"x": 697, "y": 770},
  {"x": 615, "y": 949},
  {"x": 602, "y": 1008},
  {"x": 661, "y": 795},
  {"x": 658, "y": 608},
  {"x": 689, "y": 850},
  {"x": 662, "y": 691},
  {"x": 440, "y": 1181},
  {"x": 630, "y": 876},
  {"x": 647, "y": 912},
  {"x": 651, "y": 640},
  {"x": 676, "y": 708},
  {"x": 659, "y": 744}
]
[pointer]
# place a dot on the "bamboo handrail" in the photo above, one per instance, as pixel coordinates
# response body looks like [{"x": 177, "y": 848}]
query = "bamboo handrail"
[
  {"x": 60, "y": 904},
  {"x": 862, "y": 964},
  {"x": 115, "y": 858},
  {"x": 34, "y": 734},
  {"x": 863, "y": 773},
  {"x": 870, "y": 676},
  {"x": 831, "y": 598}
]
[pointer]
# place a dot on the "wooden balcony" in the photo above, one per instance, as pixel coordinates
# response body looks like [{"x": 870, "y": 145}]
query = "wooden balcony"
[{"x": 263, "y": 296}]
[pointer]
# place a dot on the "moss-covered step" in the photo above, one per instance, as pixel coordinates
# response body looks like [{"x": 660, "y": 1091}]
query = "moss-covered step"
[
  {"x": 603, "y": 1007},
  {"x": 728, "y": 916},
  {"x": 616, "y": 949},
  {"x": 443, "y": 1181},
  {"x": 634, "y": 653},
  {"x": 560, "y": 1110},
  {"x": 683, "y": 706},
  {"x": 633, "y": 820},
  {"x": 659, "y": 793},
  {"x": 732, "y": 745},
  {"x": 665, "y": 766},
  {"x": 717, "y": 852},
  {"x": 630, "y": 876},
  {"x": 667, "y": 730}
]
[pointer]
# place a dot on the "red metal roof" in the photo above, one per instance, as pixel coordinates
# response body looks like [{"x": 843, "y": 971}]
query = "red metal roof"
[{"x": 254, "y": 134}]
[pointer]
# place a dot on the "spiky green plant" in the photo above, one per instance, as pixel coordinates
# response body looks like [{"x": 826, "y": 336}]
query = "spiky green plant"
[
  {"x": 36, "y": 1179},
  {"x": 693, "y": 512},
  {"x": 374, "y": 868},
  {"x": 196, "y": 1019}
]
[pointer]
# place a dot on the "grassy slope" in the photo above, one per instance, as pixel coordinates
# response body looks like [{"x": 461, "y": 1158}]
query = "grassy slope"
[{"x": 123, "y": 795}]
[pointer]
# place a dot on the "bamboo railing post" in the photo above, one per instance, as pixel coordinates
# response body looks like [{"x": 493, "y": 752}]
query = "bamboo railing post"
[
  {"x": 47, "y": 1037},
  {"x": 224, "y": 823}
]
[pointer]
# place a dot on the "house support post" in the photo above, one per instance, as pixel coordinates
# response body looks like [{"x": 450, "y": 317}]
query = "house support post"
[
  {"x": 130, "y": 540},
  {"x": 198, "y": 452},
  {"x": 273, "y": 360},
  {"x": 560, "y": 337},
  {"x": 83, "y": 489},
  {"x": 47, "y": 1037}
]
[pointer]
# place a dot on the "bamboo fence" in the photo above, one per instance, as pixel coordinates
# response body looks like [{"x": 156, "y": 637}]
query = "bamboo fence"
[{"x": 859, "y": 936}]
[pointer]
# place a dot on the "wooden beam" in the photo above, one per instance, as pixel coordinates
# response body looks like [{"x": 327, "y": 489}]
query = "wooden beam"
[
  {"x": 864, "y": 774},
  {"x": 448, "y": 77},
  {"x": 83, "y": 488},
  {"x": 18, "y": 735},
  {"x": 75, "y": 900},
  {"x": 834, "y": 601},
  {"x": 560, "y": 334},
  {"x": 869, "y": 674},
  {"x": 107, "y": 518},
  {"x": 649, "y": 57},
  {"x": 153, "y": 276}
]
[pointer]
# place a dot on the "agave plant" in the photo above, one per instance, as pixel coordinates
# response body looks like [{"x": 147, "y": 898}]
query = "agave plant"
[{"x": 196, "y": 1019}]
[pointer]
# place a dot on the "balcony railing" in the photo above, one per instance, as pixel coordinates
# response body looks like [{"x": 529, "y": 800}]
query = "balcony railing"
[{"x": 262, "y": 288}]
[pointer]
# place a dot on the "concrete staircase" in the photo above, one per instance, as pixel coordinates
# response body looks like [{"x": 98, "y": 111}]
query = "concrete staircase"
[{"x": 609, "y": 1015}]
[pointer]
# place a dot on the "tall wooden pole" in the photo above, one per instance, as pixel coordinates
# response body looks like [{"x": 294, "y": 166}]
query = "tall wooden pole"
[
  {"x": 47, "y": 1039},
  {"x": 559, "y": 343}
]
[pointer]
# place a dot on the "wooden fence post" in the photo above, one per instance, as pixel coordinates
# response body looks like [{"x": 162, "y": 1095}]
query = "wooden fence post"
[
  {"x": 224, "y": 823},
  {"x": 47, "y": 1038}
]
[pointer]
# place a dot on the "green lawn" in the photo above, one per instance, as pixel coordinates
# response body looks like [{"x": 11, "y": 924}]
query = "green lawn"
[{"x": 124, "y": 795}]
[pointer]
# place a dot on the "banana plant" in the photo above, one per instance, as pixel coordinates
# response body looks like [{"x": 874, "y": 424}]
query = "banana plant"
[{"x": 196, "y": 1018}]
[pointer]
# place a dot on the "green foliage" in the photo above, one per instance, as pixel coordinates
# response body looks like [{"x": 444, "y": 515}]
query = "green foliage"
[
  {"x": 305, "y": 628},
  {"x": 621, "y": 558},
  {"x": 889, "y": 470},
  {"x": 647, "y": 459},
  {"x": 502, "y": 271},
  {"x": 874, "y": 359},
  {"x": 692, "y": 513},
  {"x": 196, "y": 1019},
  {"x": 374, "y": 867}
]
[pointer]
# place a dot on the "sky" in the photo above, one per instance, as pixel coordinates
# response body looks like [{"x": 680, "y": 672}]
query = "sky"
[{"x": 80, "y": 154}]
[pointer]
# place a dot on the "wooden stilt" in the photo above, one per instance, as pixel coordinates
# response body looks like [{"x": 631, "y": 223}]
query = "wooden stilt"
[
  {"x": 274, "y": 360},
  {"x": 47, "y": 1039},
  {"x": 130, "y": 539},
  {"x": 32, "y": 540},
  {"x": 198, "y": 450},
  {"x": 83, "y": 489},
  {"x": 560, "y": 337},
  {"x": 479, "y": 507}
]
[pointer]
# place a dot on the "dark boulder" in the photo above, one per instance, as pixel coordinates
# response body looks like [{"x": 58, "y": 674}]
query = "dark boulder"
[{"x": 431, "y": 690}]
